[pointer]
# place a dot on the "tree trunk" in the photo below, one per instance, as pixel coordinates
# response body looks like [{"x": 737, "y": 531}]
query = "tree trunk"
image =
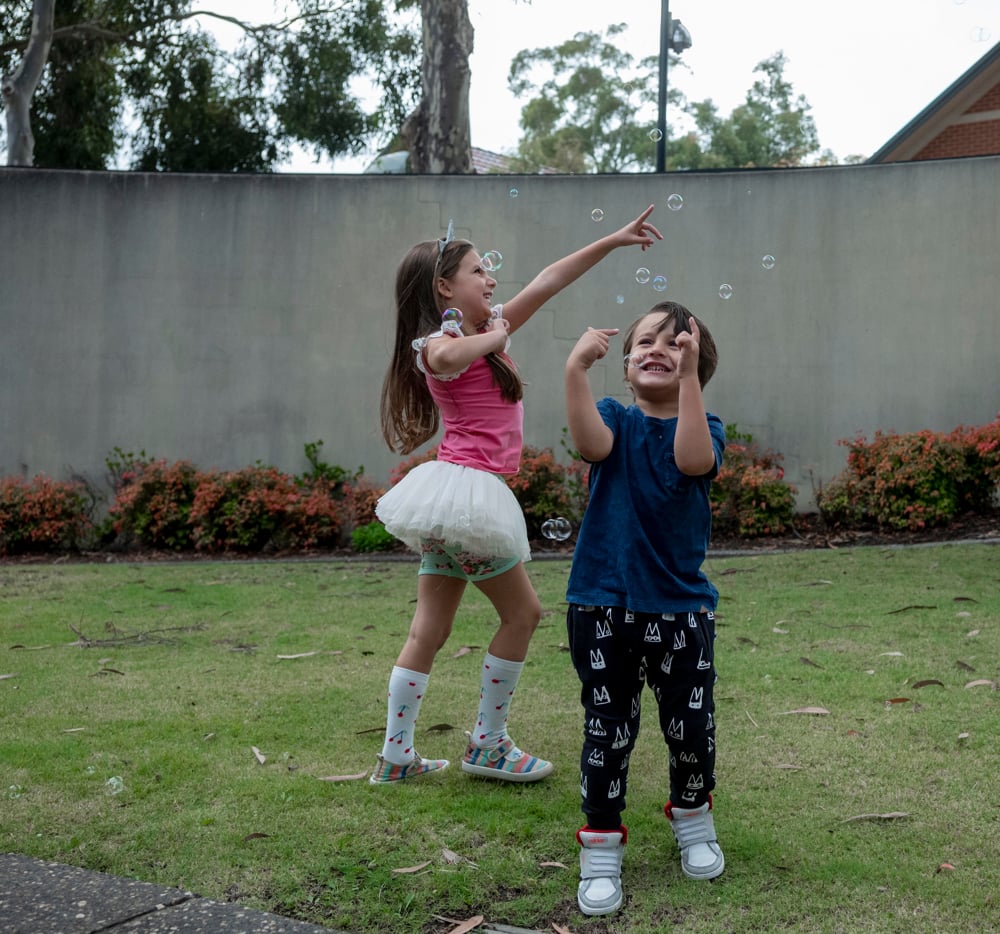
[
  {"x": 19, "y": 88},
  {"x": 437, "y": 133}
]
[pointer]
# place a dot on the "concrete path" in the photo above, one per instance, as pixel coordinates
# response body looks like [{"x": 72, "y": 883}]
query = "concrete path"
[{"x": 39, "y": 897}]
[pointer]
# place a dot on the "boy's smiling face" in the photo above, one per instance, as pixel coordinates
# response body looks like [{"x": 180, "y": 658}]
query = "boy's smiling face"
[{"x": 652, "y": 357}]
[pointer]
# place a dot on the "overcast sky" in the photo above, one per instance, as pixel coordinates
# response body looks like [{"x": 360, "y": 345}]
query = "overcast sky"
[{"x": 866, "y": 67}]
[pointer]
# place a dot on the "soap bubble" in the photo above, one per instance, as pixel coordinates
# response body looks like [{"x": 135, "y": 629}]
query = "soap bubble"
[
  {"x": 557, "y": 530},
  {"x": 452, "y": 316},
  {"x": 492, "y": 260},
  {"x": 642, "y": 275},
  {"x": 725, "y": 291},
  {"x": 675, "y": 202},
  {"x": 597, "y": 215},
  {"x": 619, "y": 299},
  {"x": 514, "y": 192},
  {"x": 114, "y": 785},
  {"x": 767, "y": 261},
  {"x": 656, "y": 134},
  {"x": 637, "y": 361},
  {"x": 660, "y": 283}
]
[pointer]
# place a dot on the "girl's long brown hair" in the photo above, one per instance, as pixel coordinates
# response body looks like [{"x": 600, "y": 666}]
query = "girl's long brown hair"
[{"x": 408, "y": 413}]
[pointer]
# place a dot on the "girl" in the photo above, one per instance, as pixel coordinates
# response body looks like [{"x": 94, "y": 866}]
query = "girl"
[{"x": 450, "y": 365}]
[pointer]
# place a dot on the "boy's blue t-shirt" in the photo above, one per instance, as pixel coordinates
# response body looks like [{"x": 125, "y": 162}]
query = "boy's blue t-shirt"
[{"x": 647, "y": 527}]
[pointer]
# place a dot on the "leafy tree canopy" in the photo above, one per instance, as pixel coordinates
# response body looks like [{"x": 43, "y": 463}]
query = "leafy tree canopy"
[
  {"x": 144, "y": 83},
  {"x": 593, "y": 110}
]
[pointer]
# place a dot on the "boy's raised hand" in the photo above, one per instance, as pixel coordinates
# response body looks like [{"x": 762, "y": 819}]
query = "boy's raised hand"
[
  {"x": 690, "y": 348},
  {"x": 639, "y": 231},
  {"x": 591, "y": 347}
]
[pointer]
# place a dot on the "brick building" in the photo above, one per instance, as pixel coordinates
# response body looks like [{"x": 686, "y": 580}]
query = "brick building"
[{"x": 962, "y": 121}]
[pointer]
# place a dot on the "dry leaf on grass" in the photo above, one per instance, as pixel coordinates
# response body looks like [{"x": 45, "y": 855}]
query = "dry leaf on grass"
[
  {"x": 928, "y": 682},
  {"x": 463, "y": 927},
  {"x": 464, "y": 650},
  {"x": 815, "y": 711},
  {"x": 344, "y": 778},
  {"x": 553, "y": 864},
  {"x": 559, "y": 929},
  {"x": 256, "y": 836},
  {"x": 982, "y": 682},
  {"x": 891, "y": 815},
  {"x": 453, "y": 858},
  {"x": 5, "y": 677},
  {"x": 299, "y": 655},
  {"x": 409, "y": 870},
  {"x": 258, "y": 755},
  {"x": 945, "y": 867}
]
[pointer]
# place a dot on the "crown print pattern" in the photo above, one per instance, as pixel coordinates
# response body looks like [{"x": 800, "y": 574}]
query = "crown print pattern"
[{"x": 672, "y": 654}]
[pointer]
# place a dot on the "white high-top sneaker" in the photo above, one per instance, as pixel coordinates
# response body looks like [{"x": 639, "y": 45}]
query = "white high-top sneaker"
[
  {"x": 694, "y": 828},
  {"x": 601, "y": 851}
]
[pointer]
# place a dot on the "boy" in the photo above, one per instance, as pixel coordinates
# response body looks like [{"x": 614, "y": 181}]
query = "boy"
[{"x": 640, "y": 608}]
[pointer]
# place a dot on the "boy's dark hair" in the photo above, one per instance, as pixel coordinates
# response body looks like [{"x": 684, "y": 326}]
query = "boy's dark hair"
[{"x": 677, "y": 315}]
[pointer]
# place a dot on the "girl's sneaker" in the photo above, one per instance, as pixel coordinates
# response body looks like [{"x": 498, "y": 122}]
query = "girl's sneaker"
[
  {"x": 600, "y": 891},
  {"x": 505, "y": 762},
  {"x": 388, "y": 772},
  {"x": 694, "y": 828}
]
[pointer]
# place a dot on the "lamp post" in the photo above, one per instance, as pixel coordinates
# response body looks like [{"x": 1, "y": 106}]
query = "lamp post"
[{"x": 673, "y": 38}]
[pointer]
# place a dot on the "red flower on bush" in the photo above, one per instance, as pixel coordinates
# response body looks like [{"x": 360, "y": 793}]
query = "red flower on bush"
[{"x": 42, "y": 515}]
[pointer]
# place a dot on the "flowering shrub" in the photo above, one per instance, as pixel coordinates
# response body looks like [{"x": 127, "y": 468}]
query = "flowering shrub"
[
  {"x": 153, "y": 501},
  {"x": 260, "y": 507},
  {"x": 42, "y": 515},
  {"x": 547, "y": 489},
  {"x": 916, "y": 480},
  {"x": 750, "y": 496},
  {"x": 360, "y": 499},
  {"x": 981, "y": 480}
]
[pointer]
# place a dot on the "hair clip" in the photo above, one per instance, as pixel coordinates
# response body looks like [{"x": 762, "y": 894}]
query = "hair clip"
[{"x": 448, "y": 237}]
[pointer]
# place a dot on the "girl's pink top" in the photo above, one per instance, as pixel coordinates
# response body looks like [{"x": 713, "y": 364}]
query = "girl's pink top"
[{"x": 481, "y": 429}]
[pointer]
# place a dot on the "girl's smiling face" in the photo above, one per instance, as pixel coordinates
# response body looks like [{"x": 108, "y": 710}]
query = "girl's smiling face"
[{"x": 470, "y": 289}]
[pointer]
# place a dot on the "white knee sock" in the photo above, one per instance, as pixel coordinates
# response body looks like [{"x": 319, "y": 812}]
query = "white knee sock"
[
  {"x": 406, "y": 691},
  {"x": 499, "y": 679}
]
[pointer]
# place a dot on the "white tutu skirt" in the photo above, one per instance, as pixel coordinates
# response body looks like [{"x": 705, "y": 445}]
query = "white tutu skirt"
[{"x": 470, "y": 510}]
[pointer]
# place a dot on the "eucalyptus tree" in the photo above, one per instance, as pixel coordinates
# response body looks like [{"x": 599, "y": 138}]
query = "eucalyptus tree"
[{"x": 90, "y": 83}]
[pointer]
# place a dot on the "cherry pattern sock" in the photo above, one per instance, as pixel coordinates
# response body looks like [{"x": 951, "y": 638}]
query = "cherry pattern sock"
[
  {"x": 406, "y": 691},
  {"x": 499, "y": 679}
]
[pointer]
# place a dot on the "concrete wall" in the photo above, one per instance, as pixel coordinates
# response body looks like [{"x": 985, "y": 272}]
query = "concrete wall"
[{"x": 230, "y": 319}]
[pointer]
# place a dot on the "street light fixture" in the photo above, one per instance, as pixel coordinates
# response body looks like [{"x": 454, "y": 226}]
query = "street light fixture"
[{"x": 673, "y": 38}]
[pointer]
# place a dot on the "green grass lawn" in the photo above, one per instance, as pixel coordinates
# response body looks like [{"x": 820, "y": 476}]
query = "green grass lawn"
[{"x": 134, "y": 697}]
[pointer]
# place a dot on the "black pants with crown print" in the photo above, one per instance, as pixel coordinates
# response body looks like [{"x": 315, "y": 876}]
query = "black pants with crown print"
[{"x": 615, "y": 652}]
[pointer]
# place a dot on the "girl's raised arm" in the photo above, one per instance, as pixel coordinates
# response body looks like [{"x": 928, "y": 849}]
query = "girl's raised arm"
[{"x": 554, "y": 278}]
